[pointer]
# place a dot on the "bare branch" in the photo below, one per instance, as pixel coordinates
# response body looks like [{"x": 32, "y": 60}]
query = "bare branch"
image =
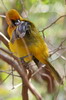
[
  {"x": 4, "y": 39},
  {"x": 4, "y": 5},
  {"x": 3, "y": 16},
  {"x": 55, "y": 51},
  {"x": 10, "y": 73},
  {"x": 25, "y": 89},
  {"x": 52, "y": 23},
  {"x": 58, "y": 48},
  {"x": 5, "y": 79},
  {"x": 22, "y": 2},
  {"x": 49, "y": 78},
  {"x": 21, "y": 72},
  {"x": 38, "y": 70}
]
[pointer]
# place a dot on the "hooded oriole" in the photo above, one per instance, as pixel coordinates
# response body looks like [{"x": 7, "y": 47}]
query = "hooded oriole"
[{"x": 25, "y": 39}]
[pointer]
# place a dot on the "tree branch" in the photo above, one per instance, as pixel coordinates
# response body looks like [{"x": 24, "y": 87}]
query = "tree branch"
[
  {"x": 4, "y": 39},
  {"x": 21, "y": 72},
  {"x": 52, "y": 23},
  {"x": 10, "y": 73}
]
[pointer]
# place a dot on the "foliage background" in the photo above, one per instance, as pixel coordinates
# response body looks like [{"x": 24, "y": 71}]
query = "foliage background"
[{"x": 42, "y": 13}]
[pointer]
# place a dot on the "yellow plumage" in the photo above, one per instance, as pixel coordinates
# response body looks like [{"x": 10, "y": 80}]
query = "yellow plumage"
[{"x": 31, "y": 44}]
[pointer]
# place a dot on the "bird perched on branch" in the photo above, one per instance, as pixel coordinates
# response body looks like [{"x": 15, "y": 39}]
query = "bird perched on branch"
[{"x": 26, "y": 41}]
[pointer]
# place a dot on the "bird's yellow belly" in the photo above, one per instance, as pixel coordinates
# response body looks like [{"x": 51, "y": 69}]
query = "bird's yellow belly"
[
  {"x": 19, "y": 50},
  {"x": 38, "y": 49}
]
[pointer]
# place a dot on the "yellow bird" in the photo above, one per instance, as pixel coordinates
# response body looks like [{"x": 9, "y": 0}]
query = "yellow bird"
[{"x": 26, "y": 41}]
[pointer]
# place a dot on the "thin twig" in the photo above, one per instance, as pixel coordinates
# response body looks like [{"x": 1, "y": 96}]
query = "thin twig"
[
  {"x": 4, "y": 79},
  {"x": 52, "y": 23},
  {"x": 10, "y": 73},
  {"x": 22, "y": 2},
  {"x": 59, "y": 47},
  {"x": 12, "y": 78},
  {"x": 4, "y": 5},
  {"x": 56, "y": 50},
  {"x": 38, "y": 70}
]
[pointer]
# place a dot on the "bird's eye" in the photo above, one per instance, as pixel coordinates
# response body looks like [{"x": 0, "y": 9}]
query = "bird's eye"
[{"x": 16, "y": 22}]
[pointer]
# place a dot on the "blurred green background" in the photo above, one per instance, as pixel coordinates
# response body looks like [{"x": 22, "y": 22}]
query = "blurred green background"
[{"x": 42, "y": 13}]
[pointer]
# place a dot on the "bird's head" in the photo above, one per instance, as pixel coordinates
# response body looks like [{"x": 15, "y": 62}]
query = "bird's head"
[{"x": 13, "y": 17}]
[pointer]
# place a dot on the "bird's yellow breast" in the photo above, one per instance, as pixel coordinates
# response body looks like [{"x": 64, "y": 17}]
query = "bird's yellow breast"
[
  {"x": 37, "y": 48},
  {"x": 19, "y": 50}
]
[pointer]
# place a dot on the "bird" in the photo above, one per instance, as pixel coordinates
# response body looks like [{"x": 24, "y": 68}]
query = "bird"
[{"x": 26, "y": 41}]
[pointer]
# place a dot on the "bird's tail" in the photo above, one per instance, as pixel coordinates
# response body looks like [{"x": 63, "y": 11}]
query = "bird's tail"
[{"x": 54, "y": 73}]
